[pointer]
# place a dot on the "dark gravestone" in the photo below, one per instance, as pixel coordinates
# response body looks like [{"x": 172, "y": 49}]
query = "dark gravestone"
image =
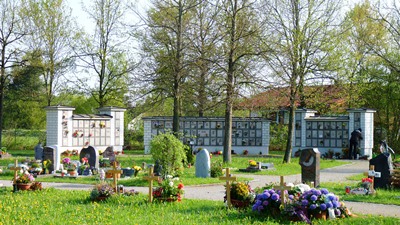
[
  {"x": 92, "y": 155},
  {"x": 49, "y": 153},
  {"x": 109, "y": 153},
  {"x": 383, "y": 164},
  {"x": 310, "y": 166},
  {"x": 39, "y": 152}
]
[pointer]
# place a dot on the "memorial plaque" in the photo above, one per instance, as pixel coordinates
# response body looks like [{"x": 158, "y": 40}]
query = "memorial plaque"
[{"x": 310, "y": 166}]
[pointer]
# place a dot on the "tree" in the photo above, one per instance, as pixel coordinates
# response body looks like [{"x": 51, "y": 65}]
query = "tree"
[
  {"x": 240, "y": 31},
  {"x": 104, "y": 56},
  {"x": 11, "y": 35},
  {"x": 52, "y": 30},
  {"x": 165, "y": 47},
  {"x": 298, "y": 34}
]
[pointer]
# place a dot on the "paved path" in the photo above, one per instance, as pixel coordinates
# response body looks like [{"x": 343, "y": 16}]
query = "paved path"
[{"x": 217, "y": 192}]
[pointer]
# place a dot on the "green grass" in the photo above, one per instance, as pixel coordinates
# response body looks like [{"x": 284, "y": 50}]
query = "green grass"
[{"x": 55, "y": 207}]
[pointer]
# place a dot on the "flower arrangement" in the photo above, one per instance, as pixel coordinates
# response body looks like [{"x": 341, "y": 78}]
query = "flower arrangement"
[
  {"x": 77, "y": 133},
  {"x": 319, "y": 200},
  {"x": 102, "y": 124},
  {"x": 366, "y": 183},
  {"x": 169, "y": 189},
  {"x": 68, "y": 165},
  {"x": 252, "y": 163},
  {"x": 24, "y": 178},
  {"x": 101, "y": 190},
  {"x": 268, "y": 201},
  {"x": 137, "y": 169},
  {"x": 245, "y": 152},
  {"x": 241, "y": 191}
]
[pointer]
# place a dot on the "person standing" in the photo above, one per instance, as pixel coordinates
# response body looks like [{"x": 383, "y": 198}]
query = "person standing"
[{"x": 356, "y": 137}]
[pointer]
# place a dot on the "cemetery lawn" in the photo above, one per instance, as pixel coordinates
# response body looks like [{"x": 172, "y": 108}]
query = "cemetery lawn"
[
  {"x": 52, "y": 206},
  {"x": 188, "y": 174}
]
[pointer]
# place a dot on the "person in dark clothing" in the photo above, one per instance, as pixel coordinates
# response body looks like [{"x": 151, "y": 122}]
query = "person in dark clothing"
[{"x": 356, "y": 137}]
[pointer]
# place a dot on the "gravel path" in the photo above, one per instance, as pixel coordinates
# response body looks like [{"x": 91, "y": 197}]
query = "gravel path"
[{"x": 217, "y": 192}]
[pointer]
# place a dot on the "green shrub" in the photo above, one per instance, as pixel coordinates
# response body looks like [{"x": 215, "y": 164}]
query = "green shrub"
[
  {"x": 278, "y": 135},
  {"x": 170, "y": 152},
  {"x": 216, "y": 169},
  {"x": 189, "y": 155}
]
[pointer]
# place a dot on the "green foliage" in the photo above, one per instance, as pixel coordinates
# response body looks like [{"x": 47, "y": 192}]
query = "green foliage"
[
  {"x": 170, "y": 152},
  {"x": 189, "y": 155},
  {"x": 134, "y": 139},
  {"x": 278, "y": 137},
  {"x": 216, "y": 169},
  {"x": 19, "y": 139}
]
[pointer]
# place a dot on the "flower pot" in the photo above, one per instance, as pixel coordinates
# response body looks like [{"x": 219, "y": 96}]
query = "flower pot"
[
  {"x": 240, "y": 204},
  {"x": 72, "y": 173},
  {"x": 23, "y": 187},
  {"x": 100, "y": 198},
  {"x": 319, "y": 215}
]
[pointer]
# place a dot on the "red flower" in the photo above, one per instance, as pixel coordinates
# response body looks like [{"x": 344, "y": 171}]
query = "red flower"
[{"x": 180, "y": 186}]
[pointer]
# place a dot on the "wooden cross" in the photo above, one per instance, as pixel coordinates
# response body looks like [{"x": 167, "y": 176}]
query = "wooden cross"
[
  {"x": 151, "y": 178},
  {"x": 228, "y": 179},
  {"x": 114, "y": 172},
  {"x": 282, "y": 188},
  {"x": 371, "y": 174},
  {"x": 16, "y": 168}
]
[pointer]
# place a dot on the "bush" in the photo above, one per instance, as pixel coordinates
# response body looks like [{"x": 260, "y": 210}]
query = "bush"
[
  {"x": 169, "y": 151},
  {"x": 278, "y": 134},
  {"x": 216, "y": 169},
  {"x": 189, "y": 155}
]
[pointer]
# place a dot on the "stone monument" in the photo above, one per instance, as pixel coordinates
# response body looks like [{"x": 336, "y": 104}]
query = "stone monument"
[
  {"x": 109, "y": 153},
  {"x": 310, "y": 166},
  {"x": 39, "y": 151},
  {"x": 50, "y": 153},
  {"x": 92, "y": 155},
  {"x": 203, "y": 164},
  {"x": 383, "y": 165}
]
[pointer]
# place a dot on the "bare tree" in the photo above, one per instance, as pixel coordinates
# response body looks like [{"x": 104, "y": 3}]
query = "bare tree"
[
  {"x": 298, "y": 34},
  {"x": 11, "y": 35},
  {"x": 104, "y": 55}
]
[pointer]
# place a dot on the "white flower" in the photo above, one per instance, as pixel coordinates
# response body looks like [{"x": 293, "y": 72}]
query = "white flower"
[
  {"x": 303, "y": 187},
  {"x": 169, "y": 177},
  {"x": 171, "y": 184}
]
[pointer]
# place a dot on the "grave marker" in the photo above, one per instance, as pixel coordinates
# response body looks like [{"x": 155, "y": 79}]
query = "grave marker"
[
  {"x": 372, "y": 174},
  {"x": 282, "y": 188},
  {"x": 114, "y": 172},
  {"x": 109, "y": 153},
  {"x": 92, "y": 155},
  {"x": 228, "y": 179},
  {"x": 15, "y": 168},
  {"x": 383, "y": 164},
  {"x": 151, "y": 178},
  {"x": 202, "y": 164},
  {"x": 310, "y": 166}
]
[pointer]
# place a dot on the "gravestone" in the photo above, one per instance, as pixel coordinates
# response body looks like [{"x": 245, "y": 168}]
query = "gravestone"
[
  {"x": 39, "y": 152},
  {"x": 109, "y": 153},
  {"x": 203, "y": 164},
  {"x": 383, "y": 164},
  {"x": 92, "y": 155},
  {"x": 50, "y": 153},
  {"x": 310, "y": 166},
  {"x": 158, "y": 168}
]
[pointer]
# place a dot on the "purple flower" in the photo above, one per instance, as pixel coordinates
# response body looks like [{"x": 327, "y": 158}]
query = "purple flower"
[
  {"x": 275, "y": 197},
  {"x": 258, "y": 202},
  {"x": 323, "y": 206},
  {"x": 265, "y": 203},
  {"x": 324, "y": 191},
  {"x": 260, "y": 208},
  {"x": 313, "y": 206},
  {"x": 255, "y": 207},
  {"x": 272, "y": 191},
  {"x": 316, "y": 192},
  {"x": 313, "y": 198},
  {"x": 329, "y": 205},
  {"x": 304, "y": 202},
  {"x": 335, "y": 204},
  {"x": 266, "y": 195},
  {"x": 291, "y": 197}
]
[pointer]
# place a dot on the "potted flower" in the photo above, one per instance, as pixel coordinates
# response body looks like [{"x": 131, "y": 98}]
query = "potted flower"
[
  {"x": 241, "y": 194},
  {"x": 24, "y": 181},
  {"x": 101, "y": 191},
  {"x": 170, "y": 189},
  {"x": 366, "y": 183},
  {"x": 318, "y": 202},
  {"x": 69, "y": 166},
  {"x": 46, "y": 165},
  {"x": 268, "y": 202}
]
